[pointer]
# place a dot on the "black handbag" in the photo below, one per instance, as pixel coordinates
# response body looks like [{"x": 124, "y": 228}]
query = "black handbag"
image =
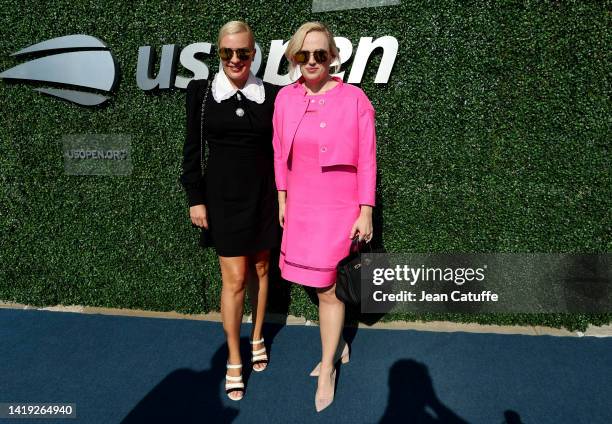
[{"x": 348, "y": 275}]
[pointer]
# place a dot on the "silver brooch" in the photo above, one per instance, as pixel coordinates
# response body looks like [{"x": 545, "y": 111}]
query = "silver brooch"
[{"x": 240, "y": 112}]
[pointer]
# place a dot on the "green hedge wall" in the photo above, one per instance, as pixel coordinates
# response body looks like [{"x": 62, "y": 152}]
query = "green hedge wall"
[{"x": 493, "y": 136}]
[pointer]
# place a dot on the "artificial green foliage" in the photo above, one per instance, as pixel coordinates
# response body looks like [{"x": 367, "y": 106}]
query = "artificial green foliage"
[{"x": 493, "y": 136}]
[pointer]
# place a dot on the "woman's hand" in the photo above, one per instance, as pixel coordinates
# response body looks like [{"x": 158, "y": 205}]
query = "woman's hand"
[
  {"x": 282, "y": 197},
  {"x": 363, "y": 226},
  {"x": 198, "y": 216}
]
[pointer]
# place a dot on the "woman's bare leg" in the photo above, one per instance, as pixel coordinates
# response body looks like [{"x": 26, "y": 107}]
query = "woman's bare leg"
[
  {"x": 258, "y": 294},
  {"x": 331, "y": 321},
  {"x": 234, "y": 275}
]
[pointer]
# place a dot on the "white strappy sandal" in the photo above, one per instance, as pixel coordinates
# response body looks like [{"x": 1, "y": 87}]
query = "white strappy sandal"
[
  {"x": 233, "y": 384},
  {"x": 259, "y": 356}
]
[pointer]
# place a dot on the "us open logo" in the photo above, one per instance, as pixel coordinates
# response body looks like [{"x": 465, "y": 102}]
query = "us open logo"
[
  {"x": 85, "y": 62},
  {"x": 76, "y": 61}
]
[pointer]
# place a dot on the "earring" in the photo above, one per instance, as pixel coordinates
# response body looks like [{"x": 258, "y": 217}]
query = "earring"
[{"x": 335, "y": 64}]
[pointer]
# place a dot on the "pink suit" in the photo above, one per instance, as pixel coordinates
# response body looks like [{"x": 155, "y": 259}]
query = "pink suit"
[{"x": 325, "y": 158}]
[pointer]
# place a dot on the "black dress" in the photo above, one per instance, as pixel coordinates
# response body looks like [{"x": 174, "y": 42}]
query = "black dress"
[{"x": 238, "y": 185}]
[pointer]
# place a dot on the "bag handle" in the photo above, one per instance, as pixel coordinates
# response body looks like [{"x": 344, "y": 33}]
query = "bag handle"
[{"x": 357, "y": 246}]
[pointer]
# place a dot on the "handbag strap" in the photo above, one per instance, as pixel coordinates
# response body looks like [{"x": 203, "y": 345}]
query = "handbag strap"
[
  {"x": 202, "y": 127},
  {"x": 357, "y": 246}
]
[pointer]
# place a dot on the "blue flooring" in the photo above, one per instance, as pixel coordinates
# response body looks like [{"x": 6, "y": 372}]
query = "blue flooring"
[{"x": 152, "y": 370}]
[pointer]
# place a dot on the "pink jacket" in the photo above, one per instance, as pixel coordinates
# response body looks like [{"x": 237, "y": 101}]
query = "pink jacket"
[{"x": 349, "y": 136}]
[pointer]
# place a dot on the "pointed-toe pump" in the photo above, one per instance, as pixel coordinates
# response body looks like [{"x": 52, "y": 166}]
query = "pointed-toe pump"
[{"x": 323, "y": 402}]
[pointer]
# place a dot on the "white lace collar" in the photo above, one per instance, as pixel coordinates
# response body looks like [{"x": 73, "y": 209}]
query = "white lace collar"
[{"x": 222, "y": 89}]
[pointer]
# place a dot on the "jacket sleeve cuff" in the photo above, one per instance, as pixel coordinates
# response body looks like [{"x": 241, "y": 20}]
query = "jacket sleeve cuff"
[
  {"x": 367, "y": 200},
  {"x": 195, "y": 197},
  {"x": 280, "y": 176}
]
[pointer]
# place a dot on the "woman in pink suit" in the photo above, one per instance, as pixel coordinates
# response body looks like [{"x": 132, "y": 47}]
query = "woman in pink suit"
[{"x": 325, "y": 169}]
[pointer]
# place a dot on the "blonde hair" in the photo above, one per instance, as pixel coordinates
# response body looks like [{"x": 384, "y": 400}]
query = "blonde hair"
[
  {"x": 235, "y": 27},
  {"x": 297, "y": 40}
]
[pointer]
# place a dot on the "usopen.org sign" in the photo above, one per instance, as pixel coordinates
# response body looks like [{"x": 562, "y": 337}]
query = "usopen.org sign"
[{"x": 80, "y": 63}]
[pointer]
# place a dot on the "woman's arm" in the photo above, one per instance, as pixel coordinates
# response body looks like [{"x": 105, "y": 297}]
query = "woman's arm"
[
  {"x": 366, "y": 162},
  {"x": 366, "y": 170},
  {"x": 191, "y": 178},
  {"x": 282, "y": 200},
  {"x": 280, "y": 167}
]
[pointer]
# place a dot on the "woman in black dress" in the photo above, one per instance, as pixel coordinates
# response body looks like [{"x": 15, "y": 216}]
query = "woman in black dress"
[{"x": 234, "y": 201}]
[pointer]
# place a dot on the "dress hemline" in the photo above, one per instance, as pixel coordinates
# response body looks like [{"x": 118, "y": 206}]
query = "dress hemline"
[{"x": 306, "y": 277}]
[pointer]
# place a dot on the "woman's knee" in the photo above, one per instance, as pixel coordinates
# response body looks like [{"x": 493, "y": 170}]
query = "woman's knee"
[
  {"x": 261, "y": 262},
  {"x": 262, "y": 268},
  {"x": 328, "y": 295},
  {"x": 234, "y": 279}
]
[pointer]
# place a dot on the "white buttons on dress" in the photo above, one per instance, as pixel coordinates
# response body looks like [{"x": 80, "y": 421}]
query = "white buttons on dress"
[
  {"x": 324, "y": 149},
  {"x": 323, "y": 124},
  {"x": 312, "y": 100}
]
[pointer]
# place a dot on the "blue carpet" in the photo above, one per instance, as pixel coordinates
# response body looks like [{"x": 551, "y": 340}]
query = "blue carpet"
[{"x": 150, "y": 370}]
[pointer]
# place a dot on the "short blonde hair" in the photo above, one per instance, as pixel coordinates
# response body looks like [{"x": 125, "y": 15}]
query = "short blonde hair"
[
  {"x": 297, "y": 40},
  {"x": 235, "y": 27}
]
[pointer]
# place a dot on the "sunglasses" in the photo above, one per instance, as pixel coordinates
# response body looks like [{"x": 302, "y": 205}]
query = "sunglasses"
[
  {"x": 302, "y": 57},
  {"x": 225, "y": 53}
]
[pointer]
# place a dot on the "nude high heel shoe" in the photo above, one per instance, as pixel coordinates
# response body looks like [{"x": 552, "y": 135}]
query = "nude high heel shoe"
[
  {"x": 320, "y": 402},
  {"x": 344, "y": 358}
]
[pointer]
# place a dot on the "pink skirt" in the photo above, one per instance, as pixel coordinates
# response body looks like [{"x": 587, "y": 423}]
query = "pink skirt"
[{"x": 322, "y": 206}]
